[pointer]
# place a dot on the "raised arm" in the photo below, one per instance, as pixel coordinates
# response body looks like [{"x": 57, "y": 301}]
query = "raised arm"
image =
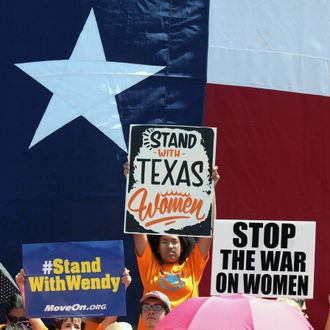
[
  {"x": 36, "y": 323},
  {"x": 126, "y": 280},
  {"x": 204, "y": 243},
  {"x": 140, "y": 243},
  {"x": 20, "y": 281}
]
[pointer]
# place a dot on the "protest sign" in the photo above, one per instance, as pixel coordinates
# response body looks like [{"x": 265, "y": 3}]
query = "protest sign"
[
  {"x": 263, "y": 258},
  {"x": 74, "y": 279},
  {"x": 169, "y": 188}
]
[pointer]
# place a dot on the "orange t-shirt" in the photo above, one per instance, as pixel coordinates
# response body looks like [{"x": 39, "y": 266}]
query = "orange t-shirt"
[{"x": 178, "y": 282}]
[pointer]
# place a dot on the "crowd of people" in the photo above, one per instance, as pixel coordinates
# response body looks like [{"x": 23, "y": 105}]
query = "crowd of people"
[
  {"x": 153, "y": 307},
  {"x": 172, "y": 264},
  {"x": 170, "y": 269}
]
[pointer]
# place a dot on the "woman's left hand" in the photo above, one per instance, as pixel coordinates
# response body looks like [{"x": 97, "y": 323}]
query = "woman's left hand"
[{"x": 126, "y": 279}]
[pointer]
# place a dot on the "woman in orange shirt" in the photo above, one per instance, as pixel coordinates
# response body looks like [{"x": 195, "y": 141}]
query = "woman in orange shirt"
[{"x": 172, "y": 264}]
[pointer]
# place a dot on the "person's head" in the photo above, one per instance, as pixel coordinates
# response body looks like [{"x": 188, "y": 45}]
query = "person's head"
[
  {"x": 154, "y": 306},
  {"x": 68, "y": 323},
  {"x": 171, "y": 248},
  {"x": 14, "y": 310}
]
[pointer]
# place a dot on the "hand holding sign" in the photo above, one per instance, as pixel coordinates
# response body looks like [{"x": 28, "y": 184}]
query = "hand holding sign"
[
  {"x": 126, "y": 169},
  {"x": 20, "y": 279},
  {"x": 75, "y": 278},
  {"x": 126, "y": 279},
  {"x": 215, "y": 175}
]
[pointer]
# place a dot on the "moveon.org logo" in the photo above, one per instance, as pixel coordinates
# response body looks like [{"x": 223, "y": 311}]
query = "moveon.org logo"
[{"x": 74, "y": 307}]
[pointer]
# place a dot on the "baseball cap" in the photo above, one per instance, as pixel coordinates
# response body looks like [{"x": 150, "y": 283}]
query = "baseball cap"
[
  {"x": 120, "y": 326},
  {"x": 159, "y": 295}
]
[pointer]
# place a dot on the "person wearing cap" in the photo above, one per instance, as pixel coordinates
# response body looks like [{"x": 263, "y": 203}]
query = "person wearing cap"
[
  {"x": 154, "y": 306},
  {"x": 75, "y": 323},
  {"x": 14, "y": 313}
]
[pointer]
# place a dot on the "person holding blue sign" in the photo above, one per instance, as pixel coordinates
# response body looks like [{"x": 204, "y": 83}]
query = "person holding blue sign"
[
  {"x": 154, "y": 306},
  {"x": 68, "y": 323},
  {"x": 15, "y": 313}
]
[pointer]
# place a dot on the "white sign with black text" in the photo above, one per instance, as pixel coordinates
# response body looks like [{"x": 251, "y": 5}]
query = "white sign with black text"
[
  {"x": 263, "y": 258},
  {"x": 169, "y": 188}
]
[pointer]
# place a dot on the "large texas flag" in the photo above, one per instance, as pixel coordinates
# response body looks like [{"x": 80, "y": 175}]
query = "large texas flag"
[
  {"x": 75, "y": 74},
  {"x": 268, "y": 93}
]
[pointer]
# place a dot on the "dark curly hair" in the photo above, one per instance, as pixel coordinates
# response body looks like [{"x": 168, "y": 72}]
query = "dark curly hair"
[
  {"x": 15, "y": 301},
  {"x": 187, "y": 244}
]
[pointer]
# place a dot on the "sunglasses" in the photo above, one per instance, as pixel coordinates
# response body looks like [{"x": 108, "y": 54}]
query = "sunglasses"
[
  {"x": 15, "y": 319},
  {"x": 155, "y": 308}
]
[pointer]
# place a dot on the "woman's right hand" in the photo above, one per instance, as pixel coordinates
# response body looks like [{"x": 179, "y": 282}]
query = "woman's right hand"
[
  {"x": 126, "y": 168},
  {"x": 20, "y": 279}
]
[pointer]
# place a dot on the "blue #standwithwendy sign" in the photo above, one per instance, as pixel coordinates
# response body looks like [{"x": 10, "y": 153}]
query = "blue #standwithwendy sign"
[
  {"x": 74, "y": 278},
  {"x": 169, "y": 186},
  {"x": 263, "y": 258}
]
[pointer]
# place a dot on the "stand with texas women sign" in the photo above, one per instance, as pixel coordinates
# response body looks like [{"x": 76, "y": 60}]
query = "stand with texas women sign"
[{"x": 170, "y": 187}]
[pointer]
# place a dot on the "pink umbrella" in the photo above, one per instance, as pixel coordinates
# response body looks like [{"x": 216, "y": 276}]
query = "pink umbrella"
[{"x": 233, "y": 312}]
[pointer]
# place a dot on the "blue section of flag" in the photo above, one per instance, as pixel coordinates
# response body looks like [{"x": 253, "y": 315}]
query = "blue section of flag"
[{"x": 70, "y": 186}]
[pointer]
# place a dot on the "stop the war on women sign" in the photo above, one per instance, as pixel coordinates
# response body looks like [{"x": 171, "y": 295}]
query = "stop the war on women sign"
[
  {"x": 263, "y": 258},
  {"x": 169, "y": 189},
  {"x": 74, "y": 279}
]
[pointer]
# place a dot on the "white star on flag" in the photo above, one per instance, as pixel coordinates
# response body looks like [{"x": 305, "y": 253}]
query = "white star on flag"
[{"x": 85, "y": 85}]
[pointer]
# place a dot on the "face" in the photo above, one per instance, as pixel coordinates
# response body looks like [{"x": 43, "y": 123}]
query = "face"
[
  {"x": 16, "y": 315},
  {"x": 152, "y": 317},
  {"x": 170, "y": 248},
  {"x": 71, "y": 324}
]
